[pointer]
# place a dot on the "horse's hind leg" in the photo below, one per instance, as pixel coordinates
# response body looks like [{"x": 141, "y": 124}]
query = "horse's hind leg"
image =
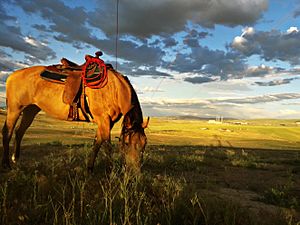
[
  {"x": 28, "y": 116},
  {"x": 7, "y": 131}
]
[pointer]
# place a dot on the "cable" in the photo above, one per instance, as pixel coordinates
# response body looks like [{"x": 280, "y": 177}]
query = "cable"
[{"x": 117, "y": 34}]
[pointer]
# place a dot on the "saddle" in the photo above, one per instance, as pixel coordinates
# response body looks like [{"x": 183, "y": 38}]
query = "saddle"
[{"x": 75, "y": 78}]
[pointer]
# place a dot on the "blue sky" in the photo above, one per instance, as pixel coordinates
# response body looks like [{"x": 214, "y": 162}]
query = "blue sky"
[{"x": 202, "y": 58}]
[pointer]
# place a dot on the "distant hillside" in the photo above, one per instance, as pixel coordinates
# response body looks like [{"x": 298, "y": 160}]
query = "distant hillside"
[{"x": 196, "y": 118}]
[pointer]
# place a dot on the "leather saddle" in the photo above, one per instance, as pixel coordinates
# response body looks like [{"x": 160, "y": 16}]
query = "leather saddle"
[{"x": 74, "y": 77}]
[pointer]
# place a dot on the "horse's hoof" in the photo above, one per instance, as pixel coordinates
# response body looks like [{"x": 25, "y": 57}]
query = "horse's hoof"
[
  {"x": 14, "y": 159},
  {"x": 6, "y": 167}
]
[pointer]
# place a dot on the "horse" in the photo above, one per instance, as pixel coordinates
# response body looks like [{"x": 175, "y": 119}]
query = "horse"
[{"x": 27, "y": 94}]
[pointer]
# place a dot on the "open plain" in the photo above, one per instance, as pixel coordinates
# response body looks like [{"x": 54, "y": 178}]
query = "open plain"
[{"x": 194, "y": 172}]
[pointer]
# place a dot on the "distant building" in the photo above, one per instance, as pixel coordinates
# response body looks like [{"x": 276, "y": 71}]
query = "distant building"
[
  {"x": 218, "y": 120},
  {"x": 214, "y": 122}
]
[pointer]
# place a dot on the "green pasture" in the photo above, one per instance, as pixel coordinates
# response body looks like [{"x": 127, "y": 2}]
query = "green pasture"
[
  {"x": 194, "y": 172},
  {"x": 256, "y": 134}
]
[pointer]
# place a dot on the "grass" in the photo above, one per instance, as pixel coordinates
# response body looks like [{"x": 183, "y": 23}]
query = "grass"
[{"x": 223, "y": 174}]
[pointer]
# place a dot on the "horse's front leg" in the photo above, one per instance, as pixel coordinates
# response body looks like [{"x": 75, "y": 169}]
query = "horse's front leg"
[
  {"x": 7, "y": 131},
  {"x": 102, "y": 140}
]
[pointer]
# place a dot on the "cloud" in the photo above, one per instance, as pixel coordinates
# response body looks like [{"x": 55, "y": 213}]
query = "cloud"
[
  {"x": 41, "y": 28},
  {"x": 260, "y": 71},
  {"x": 3, "y": 76},
  {"x": 140, "y": 56},
  {"x": 276, "y": 82},
  {"x": 270, "y": 45},
  {"x": 12, "y": 37},
  {"x": 296, "y": 12},
  {"x": 148, "y": 17},
  {"x": 260, "y": 99},
  {"x": 233, "y": 86},
  {"x": 199, "y": 79},
  {"x": 151, "y": 90},
  {"x": 7, "y": 64},
  {"x": 4, "y": 16},
  {"x": 205, "y": 61},
  {"x": 193, "y": 36},
  {"x": 137, "y": 70},
  {"x": 70, "y": 26},
  {"x": 227, "y": 107},
  {"x": 170, "y": 42},
  {"x": 140, "y": 20},
  {"x": 212, "y": 102}
]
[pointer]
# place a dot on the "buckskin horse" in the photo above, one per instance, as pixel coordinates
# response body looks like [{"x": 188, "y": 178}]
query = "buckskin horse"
[{"x": 27, "y": 93}]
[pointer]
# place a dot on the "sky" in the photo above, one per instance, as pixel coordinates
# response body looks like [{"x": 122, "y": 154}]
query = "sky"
[{"x": 206, "y": 58}]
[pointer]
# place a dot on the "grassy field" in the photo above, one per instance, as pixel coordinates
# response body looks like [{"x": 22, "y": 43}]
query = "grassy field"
[{"x": 194, "y": 173}]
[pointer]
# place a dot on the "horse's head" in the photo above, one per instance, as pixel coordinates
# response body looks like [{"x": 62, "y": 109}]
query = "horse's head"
[{"x": 133, "y": 142}]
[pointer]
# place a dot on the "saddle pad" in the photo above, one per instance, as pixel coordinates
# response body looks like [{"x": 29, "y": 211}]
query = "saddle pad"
[{"x": 54, "y": 77}]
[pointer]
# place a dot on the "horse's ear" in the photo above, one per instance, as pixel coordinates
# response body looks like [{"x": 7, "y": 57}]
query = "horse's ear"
[{"x": 145, "y": 123}]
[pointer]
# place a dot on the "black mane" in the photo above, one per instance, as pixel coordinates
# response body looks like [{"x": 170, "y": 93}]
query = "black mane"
[{"x": 133, "y": 119}]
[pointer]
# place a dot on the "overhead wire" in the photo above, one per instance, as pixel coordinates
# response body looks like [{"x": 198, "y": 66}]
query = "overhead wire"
[{"x": 117, "y": 33}]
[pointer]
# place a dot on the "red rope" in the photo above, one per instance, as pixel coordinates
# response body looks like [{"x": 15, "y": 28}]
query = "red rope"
[{"x": 100, "y": 78}]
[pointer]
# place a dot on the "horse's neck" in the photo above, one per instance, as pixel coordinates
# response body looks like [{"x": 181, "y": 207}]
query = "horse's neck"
[{"x": 124, "y": 92}]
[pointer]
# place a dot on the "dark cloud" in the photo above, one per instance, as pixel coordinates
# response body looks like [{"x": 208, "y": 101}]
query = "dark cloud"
[
  {"x": 197, "y": 34},
  {"x": 4, "y": 54},
  {"x": 66, "y": 21},
  {"x": 148, "y": 17},
  {"x": 191, "y": 42},
  {"x": 10, "y": 65},
  {"x": 6, "y": 64},
  {"x": 4, "y": 16},
  {"x": 199, "y": 79},
  {"x": 270, "y": 45},
  {"x": 210, "y": 62},
  {"x": 42, "y": 28},
  {"x": 77, "y": 26},
  {"x": 70, "y": 26},
  {"x": 276, "y": 82},
  {"x": 193, "y": 36},
  {"x": 140, "y": 20},
  {"x": 170, "y": 42},
  {"x": 296, "y": 13},
  {"x": 12, "y": 37},
  {"x": 297, "y": 10}
]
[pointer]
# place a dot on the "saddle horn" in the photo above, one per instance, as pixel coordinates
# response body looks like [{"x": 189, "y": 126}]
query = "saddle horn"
[{"x": 98, "y": 54}]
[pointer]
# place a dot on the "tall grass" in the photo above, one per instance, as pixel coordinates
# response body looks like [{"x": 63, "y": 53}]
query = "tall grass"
[{"x": 58, "y": 191}]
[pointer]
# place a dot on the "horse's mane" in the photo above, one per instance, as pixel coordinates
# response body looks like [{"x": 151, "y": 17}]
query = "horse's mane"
[{"x": 134, "y": 117}]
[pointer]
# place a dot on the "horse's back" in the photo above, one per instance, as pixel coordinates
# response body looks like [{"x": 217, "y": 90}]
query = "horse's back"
[
  {"x": 20, "y": 85},
  {"x": 24, "y": 74}
]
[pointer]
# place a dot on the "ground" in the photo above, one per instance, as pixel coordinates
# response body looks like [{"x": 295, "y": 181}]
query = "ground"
[{"x": 194, "y": 172}]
